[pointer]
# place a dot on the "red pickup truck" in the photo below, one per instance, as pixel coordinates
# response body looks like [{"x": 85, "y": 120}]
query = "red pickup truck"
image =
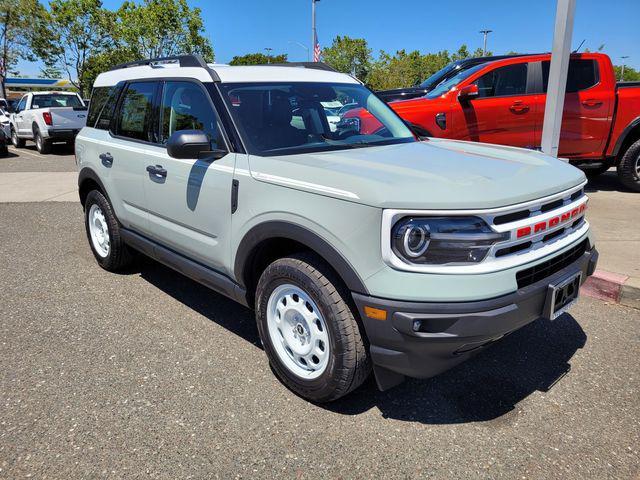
[{"x": 503, "y": 102}]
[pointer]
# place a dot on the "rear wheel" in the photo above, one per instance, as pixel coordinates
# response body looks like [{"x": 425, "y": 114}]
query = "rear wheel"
[
  {"x": 43, "y": 146},
  {"x": 629, "y": 167},
  {"x": 308, "y": 329},
  {"x": 15, "y": 140},
  {"x": 103, "y": 232}
]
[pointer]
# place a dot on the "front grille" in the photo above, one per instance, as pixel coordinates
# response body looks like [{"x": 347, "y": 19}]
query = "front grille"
[{"x": 548, "y": 268}]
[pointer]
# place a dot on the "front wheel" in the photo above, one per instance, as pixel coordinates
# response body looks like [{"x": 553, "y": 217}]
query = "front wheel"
[
  {"x": 629, "y": 167},
  {"x": 309, "y": 332}
]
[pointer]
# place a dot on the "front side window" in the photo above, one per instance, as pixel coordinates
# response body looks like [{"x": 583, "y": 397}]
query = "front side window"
[
  {"x": 582, "y": 74},
  {"x": 503, "y": 81},
  {"x": 185, "y": 106},
  {"x": 288, "y": 118},
  {"x": 136, "y": 111},
  {"x": 21, "y": 104},
  {"x": 56, "y": 100}
]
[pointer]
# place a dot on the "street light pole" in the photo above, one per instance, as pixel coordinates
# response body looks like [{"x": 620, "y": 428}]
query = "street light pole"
[
  {"x": 624, "y": 57},
  {"x": 301, "y": 45},
  {"x": 485, "y": 33},
  {"x": 268, "y": 50}
]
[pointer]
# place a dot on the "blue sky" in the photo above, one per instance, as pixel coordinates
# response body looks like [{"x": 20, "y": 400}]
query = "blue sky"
[{"x": 244, "y": 26}]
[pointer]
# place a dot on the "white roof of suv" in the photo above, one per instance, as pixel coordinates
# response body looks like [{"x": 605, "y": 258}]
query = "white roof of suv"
[{"x": 226, "y": 74}]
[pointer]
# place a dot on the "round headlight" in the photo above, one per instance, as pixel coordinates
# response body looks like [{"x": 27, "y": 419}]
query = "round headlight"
[{"x": 416, "y": 240}]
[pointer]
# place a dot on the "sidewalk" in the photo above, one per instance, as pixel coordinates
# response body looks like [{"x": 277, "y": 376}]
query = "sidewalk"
[
  {"x": 38, "y": 187},
  {"x": 614, "y": 216}
]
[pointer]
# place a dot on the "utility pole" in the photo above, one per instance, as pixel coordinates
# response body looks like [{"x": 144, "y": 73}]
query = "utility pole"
[
  {"x": 268, "y": 50},
  {"x": 314, "y": 35},
  {"x": 558, "y": 72},
  {"x": 485, "y": 33},
  {"x": 622, "y": 68}
]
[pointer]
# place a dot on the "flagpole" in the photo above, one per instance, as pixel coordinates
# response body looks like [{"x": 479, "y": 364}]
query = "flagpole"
[{"x": 314, "y": 35}]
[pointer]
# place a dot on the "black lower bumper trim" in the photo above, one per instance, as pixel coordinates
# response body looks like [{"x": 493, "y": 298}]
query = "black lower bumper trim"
[
  {"x": 58, "y": 134},
  {"x": 420, "y": 339}
]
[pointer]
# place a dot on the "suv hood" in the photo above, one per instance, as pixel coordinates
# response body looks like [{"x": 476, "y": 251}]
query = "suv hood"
[{"x": 436, "y": 174}]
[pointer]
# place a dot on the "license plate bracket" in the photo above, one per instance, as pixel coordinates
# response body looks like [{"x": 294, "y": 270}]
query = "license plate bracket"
[{"x": 562, "y": 295}]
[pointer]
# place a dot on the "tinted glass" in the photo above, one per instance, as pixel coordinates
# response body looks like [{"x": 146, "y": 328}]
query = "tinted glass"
[
  {"x": 288, "y": 118},
  {"x": 55, "y": 100},
  {"x": 447, "y": 85},
  {"x": 98, "y": 100},
  {"x": 21, "y": 104},
  {"x": 136, "y": 111},
  {"x": 185, "y": 106},
  {"x": 504, "y": 81},
  {"x": 582, "y": 74},
  {"x": 105, "y": 114}
]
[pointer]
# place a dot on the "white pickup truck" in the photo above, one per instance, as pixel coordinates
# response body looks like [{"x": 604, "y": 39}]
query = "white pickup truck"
[{"x": 47, "y": 117}]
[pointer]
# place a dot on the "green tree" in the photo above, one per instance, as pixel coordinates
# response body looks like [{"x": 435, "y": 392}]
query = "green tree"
[
  {"x": 50, "y": 71},
  {"x": 405, "y": 69},
  {"x": 630, "y": 74},
  {"x": 349, "y": 55},
  {"x": 258, "y": 59},
  {"x": 20, "y": 21},
  {"x": 161, "y": 28},
  {"x": 76, "y": 30}
]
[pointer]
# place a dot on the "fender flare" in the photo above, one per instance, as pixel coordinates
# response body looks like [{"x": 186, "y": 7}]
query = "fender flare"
[
  {"x": 635, "y": 123},
  {"x": 281, "y": 229},
  {"x": 88, "y": 173}
]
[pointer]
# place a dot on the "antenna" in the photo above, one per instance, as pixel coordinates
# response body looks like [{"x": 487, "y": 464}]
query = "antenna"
[{"x": 579, "y": 47}]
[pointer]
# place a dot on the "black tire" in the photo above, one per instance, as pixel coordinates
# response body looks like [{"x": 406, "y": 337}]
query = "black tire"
[
  {"x": 629, "y": 167},
  {"x": 119, "y": 256},
  {"x": 4, "y": 150},
  {"x": 43, "y": 146},
  {"x": 349, "y": 364},
  {"x": 594, "y": 172},
  {"x": 17, "y": 142}
]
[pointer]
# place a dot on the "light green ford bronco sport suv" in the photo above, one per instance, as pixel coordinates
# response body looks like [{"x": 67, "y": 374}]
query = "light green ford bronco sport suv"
[{"x": 358, "y": 252}]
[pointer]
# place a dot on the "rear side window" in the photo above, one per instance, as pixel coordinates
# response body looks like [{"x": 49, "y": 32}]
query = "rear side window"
[
  {"x": 105, "y": 112},
  {"x": 504, "y": 81},
  {"x": 136, "y": 111},
  {"x": 99, "y": 98},
  {"x": 582, "y": 74}
]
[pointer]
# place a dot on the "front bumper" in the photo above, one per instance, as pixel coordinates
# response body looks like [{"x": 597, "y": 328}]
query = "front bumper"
[
  {"x": 451, "y": 332},
  {"x": 62, "y": 134}
]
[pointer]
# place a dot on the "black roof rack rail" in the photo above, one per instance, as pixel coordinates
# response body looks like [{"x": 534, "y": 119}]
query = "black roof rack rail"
[
  {"x": 313, "y": 65},
  {"x": 190, "y": 60}
]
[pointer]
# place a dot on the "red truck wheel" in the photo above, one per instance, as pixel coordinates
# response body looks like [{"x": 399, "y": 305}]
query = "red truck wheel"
[{"x": 629, "y": 167}]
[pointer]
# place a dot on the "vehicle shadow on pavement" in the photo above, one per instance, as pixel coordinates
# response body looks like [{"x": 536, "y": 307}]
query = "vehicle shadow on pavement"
[
  {"x": 606, "y": 182},
  {"x": 486, "y": 387},
  {"x": 217, "y": 308}
]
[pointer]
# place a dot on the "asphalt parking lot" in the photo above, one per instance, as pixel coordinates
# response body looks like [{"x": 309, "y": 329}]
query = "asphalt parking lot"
[{"x": 150, "y": 374}]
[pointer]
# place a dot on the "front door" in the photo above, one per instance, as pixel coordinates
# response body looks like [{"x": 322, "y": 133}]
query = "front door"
[
  {"x": 503, "y": 111},
  {"x": 189, "y": 201}
]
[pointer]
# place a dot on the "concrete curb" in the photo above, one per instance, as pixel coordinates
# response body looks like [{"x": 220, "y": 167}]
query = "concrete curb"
[{"x": 613, "y": 287}]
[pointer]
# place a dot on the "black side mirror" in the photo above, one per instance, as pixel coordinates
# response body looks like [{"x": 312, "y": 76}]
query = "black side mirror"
[{"x": 192, "y": 144}]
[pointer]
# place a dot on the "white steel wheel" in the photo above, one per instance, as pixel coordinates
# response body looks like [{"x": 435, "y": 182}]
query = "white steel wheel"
[
  {"x": 298, "y": 332},
  {"x": 99, "y": 231}
]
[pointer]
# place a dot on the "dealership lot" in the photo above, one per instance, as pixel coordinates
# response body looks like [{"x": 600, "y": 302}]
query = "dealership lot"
[{"x": 150, "y": 373}]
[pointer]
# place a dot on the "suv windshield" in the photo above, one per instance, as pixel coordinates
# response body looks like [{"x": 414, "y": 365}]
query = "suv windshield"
[
  {"x": 444, "y": 87},
  {"x": 55, "y": 100},
  {"x": 288, "y": 118}
]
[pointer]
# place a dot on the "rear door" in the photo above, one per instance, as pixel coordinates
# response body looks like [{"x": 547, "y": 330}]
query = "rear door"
[
  {"x": 587, "y": 109},
  {"x": 130, "y": 149},
  {"x": 189, "y": 204},
  {"x": 503, "y": 112}
]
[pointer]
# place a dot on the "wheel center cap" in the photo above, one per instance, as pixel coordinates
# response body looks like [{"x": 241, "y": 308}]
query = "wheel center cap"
[{"x": 300, "y": 329}]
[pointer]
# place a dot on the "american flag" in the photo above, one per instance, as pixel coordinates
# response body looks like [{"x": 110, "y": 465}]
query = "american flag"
[{"x": 316, "y": 50}]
